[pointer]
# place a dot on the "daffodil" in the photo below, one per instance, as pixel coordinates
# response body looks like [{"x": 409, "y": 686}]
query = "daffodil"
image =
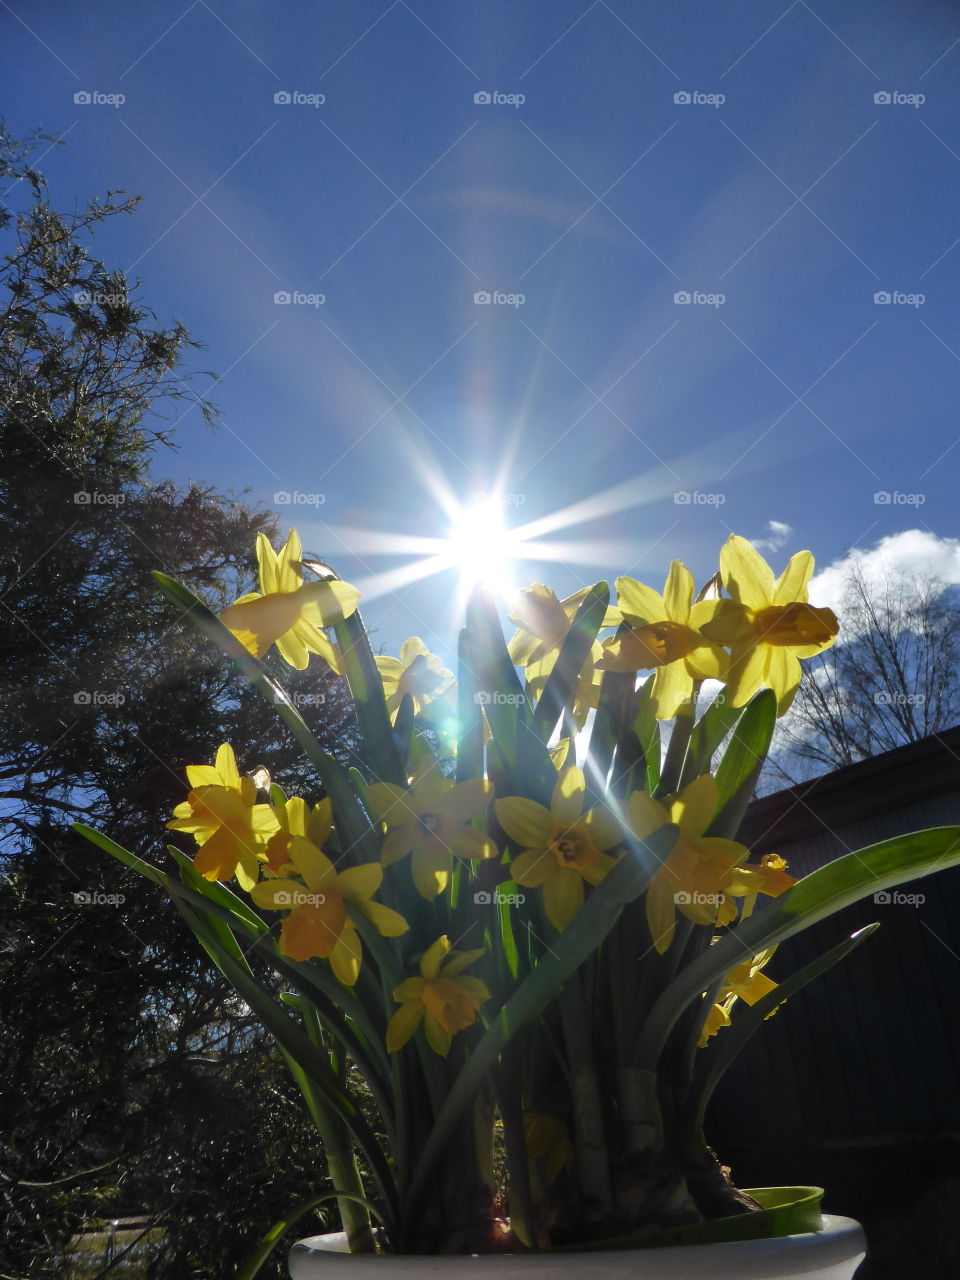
[
  {"x": 770, "y": 877},
  {"x": 287, "y": 611},
  {"x": 562, "y": 847},
  {"x": 665, "y": 635},
  {"x": 694, "y": 875},
  {"x": 542, "y": 622},
  {"x": 430, "y": 822},
  {"x": 223, "y": 817},
  {"x": 418, "y": 672},
  {"x": 586, "y": 692},
  {"x": 768, "y": 625},
  {"x": 440, "y": 998},
  {"x": 317, "y": 923},
  {"x": 744, "y": 982}
]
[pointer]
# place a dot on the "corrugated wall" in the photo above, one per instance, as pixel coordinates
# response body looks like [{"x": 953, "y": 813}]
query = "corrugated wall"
[{"x": 872, "y": 1048}]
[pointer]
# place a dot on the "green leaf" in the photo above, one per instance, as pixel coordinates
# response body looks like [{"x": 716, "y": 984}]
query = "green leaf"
[
  {"x": 369, "y": 703},
  {"x": 559, "y": 692},
  {"x": 742, "y": 761},
  {"x": 709, "y": 731},
  {"x": 280, "y": 1228},
  {"x": 820, "y": 894},
  {"x": 580, "y": 939},
  {"x": 717, "y": 1056},
  {"x": 294, "y": 1044}
]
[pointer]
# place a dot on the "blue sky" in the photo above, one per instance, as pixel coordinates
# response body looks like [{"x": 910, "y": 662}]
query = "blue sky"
[{"x": 736, "y": 155}]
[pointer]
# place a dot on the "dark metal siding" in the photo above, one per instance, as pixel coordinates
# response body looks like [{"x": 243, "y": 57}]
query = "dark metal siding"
[{"x": 872, "y": 1048}]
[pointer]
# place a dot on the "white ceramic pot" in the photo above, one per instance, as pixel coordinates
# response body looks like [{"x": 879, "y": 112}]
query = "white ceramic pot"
[{"x": 833, "y": 1253}]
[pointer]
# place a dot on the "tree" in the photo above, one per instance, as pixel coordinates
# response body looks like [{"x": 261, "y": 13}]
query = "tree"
[
  {"x": 148, "y": 1088},
  {"x": 893, "y": 676}
]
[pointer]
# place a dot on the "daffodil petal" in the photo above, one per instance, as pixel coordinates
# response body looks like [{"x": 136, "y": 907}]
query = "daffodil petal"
[
  {"x": 746, "y": 575},
  {"x": 403, "y": 1024},
  {"x": 525, "y": 821},
  {"x": 566, "y": 804},
  {"x": 562, "y": 897}
]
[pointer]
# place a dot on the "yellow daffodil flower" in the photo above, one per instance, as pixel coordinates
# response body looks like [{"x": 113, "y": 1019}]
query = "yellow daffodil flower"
[
  {"x": 418, "y": 672},
  {"x": 695, "y": 874},
  {"x": 223, "y": 817},
  {"x": 442, "y": 1000},
  {"x": 287, "y": 611},
  {"x": 746, "y": 983},
  {"x": 562, "y": 848},
  {"x": 665, "y": 635},
  {"x": 542, "y": 623},
  {"x": 586, "y": 693},
  {"x": 430, "y": 822},
  {"x": 770, "y": 877},
  {"x": 768, "y": 624},
  {"x": 318, "y": 923}
]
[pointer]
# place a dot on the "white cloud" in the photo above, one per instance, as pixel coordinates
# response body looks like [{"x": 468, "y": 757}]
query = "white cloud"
[
  {"x": 914, "y": 553},
  {"x": 777, "y": 535}
]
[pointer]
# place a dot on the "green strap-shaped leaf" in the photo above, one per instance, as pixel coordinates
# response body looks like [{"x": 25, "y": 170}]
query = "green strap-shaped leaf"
[
  {"x": 296, "y": 1046},
  {"x": 559, "y": 691},
  {"x": 251, "y": 1267},
  {"x": 717, "y": 1057},
  {"x": 469, "y": 715},
  {"x": 742, "y": 761},
  {"x": 820, "y": 894},
  {"x": 369, "y": 703},
  {"x": 709, "y": 731},
  {"x": 579, "y": 940}
]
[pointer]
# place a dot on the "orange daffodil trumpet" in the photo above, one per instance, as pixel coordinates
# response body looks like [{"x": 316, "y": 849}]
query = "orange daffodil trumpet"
[
  {"x": 768, "y": 624},
  {"x": 443, "y": 998},
  {"x": 288, "y": 612}
]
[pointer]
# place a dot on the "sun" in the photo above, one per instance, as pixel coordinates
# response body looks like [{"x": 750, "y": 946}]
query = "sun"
[{"x": 481, "y": 547}]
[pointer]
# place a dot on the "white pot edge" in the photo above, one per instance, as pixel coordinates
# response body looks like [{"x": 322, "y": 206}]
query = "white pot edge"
[{"x": 833, "y": 1253}]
